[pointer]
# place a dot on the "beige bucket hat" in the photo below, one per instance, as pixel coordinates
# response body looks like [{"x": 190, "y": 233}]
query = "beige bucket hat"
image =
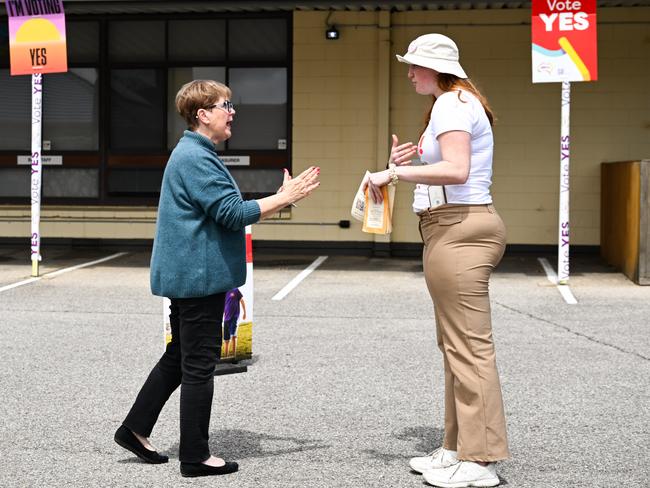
[{"x": 434, "y": 51}]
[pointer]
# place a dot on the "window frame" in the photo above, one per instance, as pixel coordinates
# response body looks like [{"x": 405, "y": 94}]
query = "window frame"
[{"x": 105, "y": 159}]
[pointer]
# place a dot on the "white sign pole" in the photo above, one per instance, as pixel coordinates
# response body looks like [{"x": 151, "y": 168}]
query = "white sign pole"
[
  {"x": 167, "y": 326},
  {"x": 565, "y": 151},
  {"x": 36, "y": 169}
]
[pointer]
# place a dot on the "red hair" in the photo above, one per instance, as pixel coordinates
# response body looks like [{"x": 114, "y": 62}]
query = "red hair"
[{"x": 448, "y": 82}]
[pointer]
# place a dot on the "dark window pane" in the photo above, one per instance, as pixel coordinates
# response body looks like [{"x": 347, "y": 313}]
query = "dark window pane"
[
  {"x": 257, "y": 180},
  {"x": 70, "y": 182},
  {"x": 135, "y": 181},
  {"x": 15, "y": 111},
  {"x": 57, "y": 182},
  {"x": 197, "y": 40},
  {"x": 260, "y": 98},
  {"x": 4, "y": 43},
  {"x": 71, "y": 108},
  {"x": 136, "y": 41},
  {"x": 257, "y": 40},
  {"x": 15, "y": 182},
  {"x": 82, "y": 40},
  {"x": 137, "y": 109},
  {"x": 176, "y": 79}
]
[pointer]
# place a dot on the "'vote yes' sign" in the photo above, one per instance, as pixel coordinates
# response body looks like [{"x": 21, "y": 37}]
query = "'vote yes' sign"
[
  {"x": 36, "y": 36},
  {"x": 564, "y": 40}
]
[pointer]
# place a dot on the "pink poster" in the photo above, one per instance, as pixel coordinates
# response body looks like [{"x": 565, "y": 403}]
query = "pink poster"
[{"x": 37, "y": 42}]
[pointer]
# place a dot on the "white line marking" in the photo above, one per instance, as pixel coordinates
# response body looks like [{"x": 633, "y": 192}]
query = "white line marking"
[
  {"x": 84, "y": 265},
  {"x": 564, "y": 290},
  {"x": 550, "y": 273},
  {"x": 20, "y": 283},
  {"x": 296, "y": 281},
  {"x": 61, "y": 271}
]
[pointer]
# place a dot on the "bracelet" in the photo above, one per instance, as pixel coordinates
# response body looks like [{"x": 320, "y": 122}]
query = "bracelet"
[{"x": 392, "y": 174}]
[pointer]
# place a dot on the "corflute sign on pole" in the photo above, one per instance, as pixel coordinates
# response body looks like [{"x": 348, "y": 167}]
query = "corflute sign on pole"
[
  {"x": 37, "y": 45},
  {"x": 236, "y": 323},
  {"x": 564, "y": 41},
  {"x": 564, "y": 49}
]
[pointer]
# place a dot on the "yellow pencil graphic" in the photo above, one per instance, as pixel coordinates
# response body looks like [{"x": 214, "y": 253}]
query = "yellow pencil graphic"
[{"x": 568, "y": 48}]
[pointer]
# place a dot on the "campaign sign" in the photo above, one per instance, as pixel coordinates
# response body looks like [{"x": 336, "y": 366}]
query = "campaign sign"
[
  {"x": 564, "y": 40},
  {"x": 237, "y": 321},
  {"x": 36, "y": 36}
]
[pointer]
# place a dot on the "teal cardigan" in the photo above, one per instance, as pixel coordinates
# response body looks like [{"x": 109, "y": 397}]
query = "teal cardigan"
[{"x": 200, "y": 246}]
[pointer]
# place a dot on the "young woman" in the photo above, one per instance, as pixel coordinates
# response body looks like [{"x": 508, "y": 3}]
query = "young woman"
[{"x": 464, "y": 239}]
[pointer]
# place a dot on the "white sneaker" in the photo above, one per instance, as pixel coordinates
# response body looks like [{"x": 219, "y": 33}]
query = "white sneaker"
[
  {"x": 440, "y": 458},
  {"x": 463, "y": 474}
]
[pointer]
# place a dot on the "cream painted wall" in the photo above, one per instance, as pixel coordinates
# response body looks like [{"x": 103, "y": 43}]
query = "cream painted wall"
[
  {"x": 335, "y": 116},
  {"x": 338, "y": 123},
  {"x": 73, "y": 221}
]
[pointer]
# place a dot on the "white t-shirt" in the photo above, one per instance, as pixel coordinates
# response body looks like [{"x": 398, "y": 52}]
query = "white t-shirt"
[{"x": 465, "y": 114}]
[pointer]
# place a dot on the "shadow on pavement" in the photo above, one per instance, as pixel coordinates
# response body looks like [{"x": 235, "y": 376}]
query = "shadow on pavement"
[
  {"x": 243, "y": 444},
  {"x": 425, "y": 438}
]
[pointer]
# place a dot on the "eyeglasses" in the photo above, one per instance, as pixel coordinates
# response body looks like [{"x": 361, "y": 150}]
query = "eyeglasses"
[{"x": 226, "y": 106}]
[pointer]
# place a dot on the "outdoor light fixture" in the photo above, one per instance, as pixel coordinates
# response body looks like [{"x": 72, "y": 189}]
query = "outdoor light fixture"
[{"x": 331, "y": 33}]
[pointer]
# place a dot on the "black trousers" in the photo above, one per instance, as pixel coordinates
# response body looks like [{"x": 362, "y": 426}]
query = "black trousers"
[{"x": 189, "y": 360}]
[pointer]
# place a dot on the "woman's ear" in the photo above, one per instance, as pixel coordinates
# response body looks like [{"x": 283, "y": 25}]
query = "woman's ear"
[{"x": 200, "y": 113}]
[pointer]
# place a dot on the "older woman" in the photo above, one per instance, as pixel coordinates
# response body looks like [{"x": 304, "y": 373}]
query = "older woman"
[
  {"x": 464, "y": 239},
  {"x": 198, "y": 255}
]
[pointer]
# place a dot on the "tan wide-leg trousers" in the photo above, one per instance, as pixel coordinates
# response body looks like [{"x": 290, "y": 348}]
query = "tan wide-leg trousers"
[{"x": 462, "y": 245}]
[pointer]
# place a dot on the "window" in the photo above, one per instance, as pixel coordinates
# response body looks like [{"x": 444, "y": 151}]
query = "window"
[
  {"x": 70, "y": 182},
  {"x": 258, "y": 181},
  {"x": 57, "y": 182},
  {"x": 14, "y": 182},
  {"x": 112, "y": 116},
  {"x": 71, "y": 109},
  {"x": 257, "y": 39},
  {"x": 136, "y": 41},
  {"x": 82, "y": 41},
  {"x": 70, "y": 123},
  {"x": 248, "y": 55},
  {"x": 4, "y": 43},
  {"x": 197, "y": 40},
  {"x": 260, "y": 98},
  {"x": 71, "y": 105},
  {"x": 136, "y": 109},
  {"x": 135, "y": 181},
  {"x": 16, "y": 103}
]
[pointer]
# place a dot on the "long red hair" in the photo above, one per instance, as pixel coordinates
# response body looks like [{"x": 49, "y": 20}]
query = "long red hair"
[{"x": 448, "y": 82}]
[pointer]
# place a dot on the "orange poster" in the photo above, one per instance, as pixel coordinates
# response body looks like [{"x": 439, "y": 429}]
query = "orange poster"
[{"x": 36, "y": 36}]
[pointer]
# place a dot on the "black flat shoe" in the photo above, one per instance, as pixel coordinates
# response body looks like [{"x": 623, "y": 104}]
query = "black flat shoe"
[
  {"x": 125, "y": 438},
  {"x": 192, "y": 470}
]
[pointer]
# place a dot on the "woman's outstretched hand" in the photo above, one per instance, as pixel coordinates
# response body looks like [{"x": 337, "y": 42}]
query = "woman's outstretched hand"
[
  {"x": 291, "y": 191},
  {"x": 301, "y": 186},
  {"x": 401, "y": 154}
]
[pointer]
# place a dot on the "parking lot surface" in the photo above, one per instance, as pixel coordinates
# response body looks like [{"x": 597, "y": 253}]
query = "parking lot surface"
[{"x": 345, "y": 383}]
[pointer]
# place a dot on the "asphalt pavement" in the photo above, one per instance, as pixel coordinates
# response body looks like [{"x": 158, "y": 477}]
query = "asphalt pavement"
[{"x": 345, "y": 383}]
